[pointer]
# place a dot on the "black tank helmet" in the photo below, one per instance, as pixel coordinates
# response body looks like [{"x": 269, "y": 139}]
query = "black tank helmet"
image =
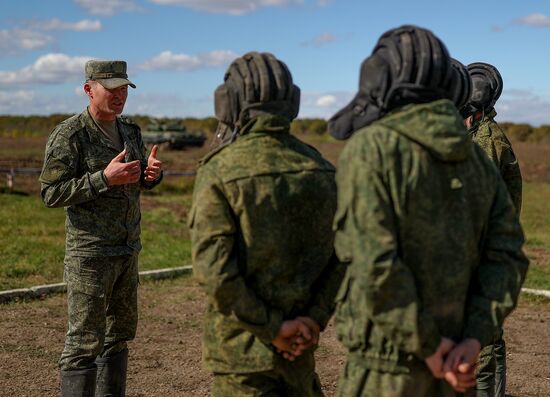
[
  {"x": 409, "y": 64},
  {"x": 486, "y": 88},
  {"x": 461, "y": 85},
  {"x": 254, "y": 84}
]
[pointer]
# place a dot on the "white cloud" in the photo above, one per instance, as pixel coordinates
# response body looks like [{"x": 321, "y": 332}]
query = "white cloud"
[
  {"x": 167, "y": 60},
  {"x": 320, "y": 40},
  {"x": 25, "y": 102},
  {"x": 323, "y": 105},
  {"x": 107, "y": 8},
  {"x": 33, "y": 37},
  {"x": 14, "y": 40},
  {"x": 231, "y": 7},
  {"x": 536, "y": 19},
  {"x": 48, "y": 69},
  {"x": 80, "y": 26},
  {"x": 155, "y": 104},
  {"x": 326, "y": 101},
  {"x": 523, "y": 106}
]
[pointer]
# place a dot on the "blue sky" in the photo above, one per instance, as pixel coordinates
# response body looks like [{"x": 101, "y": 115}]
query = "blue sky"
[{"x": 178, "y": 50}]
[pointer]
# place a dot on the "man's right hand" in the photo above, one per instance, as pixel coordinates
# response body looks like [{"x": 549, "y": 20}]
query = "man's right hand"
[
  {"x": 436, "y": 360},
  {"x": 120, "y": 173},
  {"x": 460, "y": 365},
  {"x": 285, "y": 342}
]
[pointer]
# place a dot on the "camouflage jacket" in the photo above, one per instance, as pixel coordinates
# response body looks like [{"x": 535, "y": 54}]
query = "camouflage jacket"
[
  {"x": 262, "y": 242},
  {"x": 101, "y": 220},
  {"x": 434, "y": 246},
  {"x": 487, "y": 134}
]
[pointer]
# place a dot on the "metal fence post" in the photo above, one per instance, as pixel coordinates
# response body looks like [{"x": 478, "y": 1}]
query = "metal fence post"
[{"x": 11, "y": 180}]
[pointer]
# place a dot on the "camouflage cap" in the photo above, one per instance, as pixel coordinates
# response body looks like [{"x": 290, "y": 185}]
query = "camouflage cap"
[{"x": 110, "y": 74}]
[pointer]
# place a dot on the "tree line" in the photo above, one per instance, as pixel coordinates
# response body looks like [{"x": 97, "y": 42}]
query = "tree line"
[{"x": 37, "y": 126}]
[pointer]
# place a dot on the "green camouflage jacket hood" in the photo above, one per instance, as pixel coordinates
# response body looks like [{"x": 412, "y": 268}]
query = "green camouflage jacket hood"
[{"x": 440, "y": 130}]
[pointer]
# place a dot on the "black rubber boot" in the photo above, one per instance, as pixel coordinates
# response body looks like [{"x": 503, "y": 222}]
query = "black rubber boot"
[
  {"x": 111, "y": 375},
  {"x": 78, "y": 383}
]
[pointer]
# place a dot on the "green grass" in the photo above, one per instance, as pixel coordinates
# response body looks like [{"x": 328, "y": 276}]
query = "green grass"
[
  {"x": 535, "y": 214},
  {"x": 536, "y": 224},
  {"x": 32, "y": 237}
]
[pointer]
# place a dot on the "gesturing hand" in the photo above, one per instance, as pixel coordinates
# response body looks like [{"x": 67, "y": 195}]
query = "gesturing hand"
[
  {"x": 459, "y": 367},
  {"x": 118, "y": 172},
  {"x": 285, "y": 342},
  {"x": 154, "y": 166},
  {"x": 435, "y": 361}
]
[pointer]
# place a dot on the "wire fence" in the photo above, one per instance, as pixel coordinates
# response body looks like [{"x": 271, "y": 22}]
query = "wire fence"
[{"x": 11, "y": 172}]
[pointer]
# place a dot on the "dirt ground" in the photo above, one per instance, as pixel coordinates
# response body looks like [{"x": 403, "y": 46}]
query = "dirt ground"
[{"x": 165, "y": 356}]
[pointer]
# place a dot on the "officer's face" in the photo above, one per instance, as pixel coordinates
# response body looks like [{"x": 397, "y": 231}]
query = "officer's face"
[{"x": 106, "y": 104}]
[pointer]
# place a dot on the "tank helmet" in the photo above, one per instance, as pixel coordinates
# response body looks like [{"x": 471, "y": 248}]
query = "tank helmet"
[
  {"x": 486, "y": 88},
  {"x": 255, "y": 84},
  {"x": 409, "y": 64},
  {"x": 461, "y": 84},
  {"x": 418, "y": 68}
]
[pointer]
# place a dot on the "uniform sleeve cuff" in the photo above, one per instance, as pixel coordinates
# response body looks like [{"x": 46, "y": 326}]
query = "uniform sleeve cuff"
[
  {"x": 429, "y": 336},
  {"x": 320, "y": 317},
  {"x": 99, "y": 182},
  {"x": 484, "y": 333},
  {"x": 272, "y": 327}
]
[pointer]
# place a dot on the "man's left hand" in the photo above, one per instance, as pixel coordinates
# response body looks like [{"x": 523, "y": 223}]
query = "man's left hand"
[{"x": 154, "y": 166}]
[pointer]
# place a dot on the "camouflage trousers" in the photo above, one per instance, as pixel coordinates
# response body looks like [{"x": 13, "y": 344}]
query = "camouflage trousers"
[
  {"x": 287, "y": 379},
  {"x": 491, "y": 371},
  {"x": 102, "y": 308},
  {"x": 358, "y": 381}
]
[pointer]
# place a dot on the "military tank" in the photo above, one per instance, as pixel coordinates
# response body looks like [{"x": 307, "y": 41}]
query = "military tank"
[{"x": 174, "y": 135}]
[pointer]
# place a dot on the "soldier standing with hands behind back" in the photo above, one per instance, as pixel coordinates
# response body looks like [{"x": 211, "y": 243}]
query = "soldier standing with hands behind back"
[
  {"x": 95, "y": 166},
  {"x": 479, "y": 116},
  {"x": 426, "y": 224},
  {"x": 260, "y": 225}
]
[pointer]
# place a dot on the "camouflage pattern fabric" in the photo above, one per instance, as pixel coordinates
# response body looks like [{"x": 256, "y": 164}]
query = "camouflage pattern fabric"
[
  {"x": 102, "y": 307},
  {"x": 429, "y": 230},
  {"x": 487, "y": 134},
  {"x": 288, "y": 379},
  {"x": 262, "y": 243},
  {"x": 101, "y": 220},
  {"x": 358, "y": 381}
]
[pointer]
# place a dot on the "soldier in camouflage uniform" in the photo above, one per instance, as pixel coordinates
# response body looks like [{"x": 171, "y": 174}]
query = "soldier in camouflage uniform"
[
  {"x": 435, "y": 259},
  {"x": 95, "y": 166},
  {"x": 261, "y": 234},
  {"x": 479, "y": 114}
]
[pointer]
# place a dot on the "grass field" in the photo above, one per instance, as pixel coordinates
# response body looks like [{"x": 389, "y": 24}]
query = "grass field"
[{"x": 32, "y": 236}]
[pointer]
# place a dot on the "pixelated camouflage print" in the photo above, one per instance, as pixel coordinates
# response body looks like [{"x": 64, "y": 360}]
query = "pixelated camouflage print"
[
  {"x": 487, "y": 134},
  {"x": 262, "y": 242},
  {"x": 491, "y": 368},
  {"x": 428, "y": 227},
  {"x": 101, "y": 220},
  {"x": 102, "y": 307},
  {"x": 358, "y": 381},
  {"x": 288, "y": 379}
]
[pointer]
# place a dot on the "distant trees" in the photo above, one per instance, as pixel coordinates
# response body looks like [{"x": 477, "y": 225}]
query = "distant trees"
[
  {"x": 36, "y": 126},
  {"x": 309, "y": 126},
  {"x": 526, "y": 133}
]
